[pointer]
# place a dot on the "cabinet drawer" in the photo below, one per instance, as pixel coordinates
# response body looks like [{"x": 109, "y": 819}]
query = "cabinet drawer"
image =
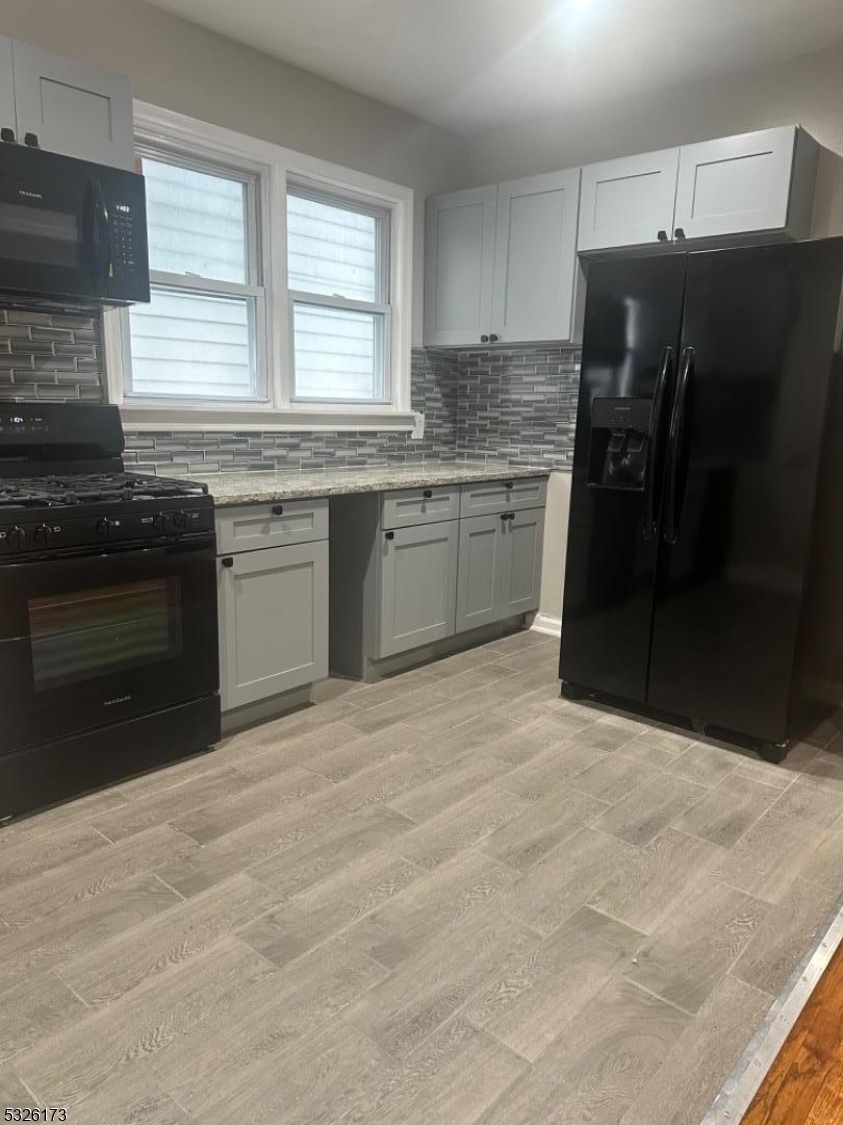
[
  {"x": 254, "y": 526},
  {"x": 495, "y": 496},
  {"x": 412, "y": 506}
]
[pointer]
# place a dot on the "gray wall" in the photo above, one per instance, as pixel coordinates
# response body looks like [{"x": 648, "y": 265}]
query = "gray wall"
[{"x": 185, "y": 68}]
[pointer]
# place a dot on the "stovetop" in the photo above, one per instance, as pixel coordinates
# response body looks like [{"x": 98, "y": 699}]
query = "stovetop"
[{"x": 73, "y": 489}]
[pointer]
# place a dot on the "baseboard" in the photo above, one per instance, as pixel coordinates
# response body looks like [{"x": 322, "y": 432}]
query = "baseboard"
[{"x": 544, "y": 623}]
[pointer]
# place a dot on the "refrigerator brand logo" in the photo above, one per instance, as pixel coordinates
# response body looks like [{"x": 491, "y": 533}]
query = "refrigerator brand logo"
[
  {"x": 116, "y": 700},
  {"x": 30, "y": 194}
]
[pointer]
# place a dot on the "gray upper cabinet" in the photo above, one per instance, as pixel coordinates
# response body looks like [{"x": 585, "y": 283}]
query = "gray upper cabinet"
[
  {"x": 755, "y": 183},
  {"x": 7, "y": 86},
  {"x": 75, "y": 109},
  {"x": 761, "y": 181},
  {"x": 629, "y": 201},
  {"x": 459, "y": 255},
  {"x": 273, "y": 621},
  {"x": 522, "y": 562},
  {"x": 480, "y": 571},
  {"x": 535, "y": 257},
  {"x": 418, "y": 585}
]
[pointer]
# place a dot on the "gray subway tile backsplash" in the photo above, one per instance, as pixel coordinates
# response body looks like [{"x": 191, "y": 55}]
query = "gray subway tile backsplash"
[{"x": 516, "y": 404}]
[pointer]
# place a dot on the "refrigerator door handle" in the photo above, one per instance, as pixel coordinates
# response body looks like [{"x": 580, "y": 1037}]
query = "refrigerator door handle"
[
  {"x": 661, "y": 398},
  {"x": 675, "y": 447}
]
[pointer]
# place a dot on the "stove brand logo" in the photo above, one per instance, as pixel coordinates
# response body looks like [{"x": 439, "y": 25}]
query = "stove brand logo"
[
  {"x": 30, "y": 194},
  {"x": 117, "y": 699}
]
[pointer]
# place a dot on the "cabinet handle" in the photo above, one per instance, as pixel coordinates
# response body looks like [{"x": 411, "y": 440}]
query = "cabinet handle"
[
  {"x": 484, "y": 339},
  {"x": 493, "y": 338},
  {"x": 390, "y": 535},
  {"x": 662, "y": 236},
  {"x": 679, "y": 233},
  {"x": 278, "y": 509},
  {"x": 228, "y": 562},
  {"x": 428, "y": 493}
]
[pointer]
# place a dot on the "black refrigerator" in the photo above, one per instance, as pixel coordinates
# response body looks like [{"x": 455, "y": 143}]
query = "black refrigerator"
[{"x": 702, "y": 561}]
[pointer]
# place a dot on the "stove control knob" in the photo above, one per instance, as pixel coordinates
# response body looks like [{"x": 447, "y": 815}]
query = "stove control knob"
[
  {"x": 103, "y": 528},
  {"x": 179, "y": 521},
  {"x": 42, "y": 535},
  {"x": 16, "y": 538}
]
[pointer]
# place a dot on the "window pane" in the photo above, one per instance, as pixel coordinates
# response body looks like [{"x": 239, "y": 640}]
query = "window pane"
[
  {"x": 332, "y": 250},
  {"x": 197, "y": 222},
  {"x": 338, "y": 354},
  {"x": 193, "y": 345}
]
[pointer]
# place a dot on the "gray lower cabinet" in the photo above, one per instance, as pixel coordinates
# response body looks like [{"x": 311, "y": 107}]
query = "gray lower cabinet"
[
  {"x": 480, "y": 571},
  {"x": 418, "y": 583},
  {"x": 499, "y": 567},
  {"x": 522, "y": 562},
  {"x": 399, "y": 586},
  {"x": 273, "y": 621}
]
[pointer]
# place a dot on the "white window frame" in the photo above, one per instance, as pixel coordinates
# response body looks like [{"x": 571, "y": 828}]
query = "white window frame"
[
  {"x": 274, "y": 166},
  {"x": 253, "y": 287},
  {"x": 381, "y": 307}
]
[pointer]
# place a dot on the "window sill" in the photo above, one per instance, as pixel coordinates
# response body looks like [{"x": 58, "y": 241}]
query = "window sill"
[{"x": 189, "y": 419}]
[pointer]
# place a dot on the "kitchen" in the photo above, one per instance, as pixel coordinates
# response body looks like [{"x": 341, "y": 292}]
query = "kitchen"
[{"x": 378, "y": 537}]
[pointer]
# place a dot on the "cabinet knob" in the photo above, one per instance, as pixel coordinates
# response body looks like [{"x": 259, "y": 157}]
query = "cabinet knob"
[
  {"x": 484, "y": 339},
  {"x": 31, "y": 140},
  {"x": 227, "y": 562},
  {"x": 504, "y": 516},
  {"x": 7, "y": 135},
  {"x": 428, "y": 493},
  {"x": 679, "y": 233},
  {"x": 509, "y": 484},
  {"x": 389, "y": 535},
  {"x": 493, "y": 338},
  {"x": 662, "y": 236},
  {"x": 278, "y": 509}
]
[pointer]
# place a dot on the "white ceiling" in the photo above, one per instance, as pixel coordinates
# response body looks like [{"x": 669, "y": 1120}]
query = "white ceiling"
[{"x": 471, "y": 64}]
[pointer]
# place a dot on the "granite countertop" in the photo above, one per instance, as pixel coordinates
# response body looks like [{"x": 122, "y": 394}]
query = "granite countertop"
[{"x": 230, "y": 489}]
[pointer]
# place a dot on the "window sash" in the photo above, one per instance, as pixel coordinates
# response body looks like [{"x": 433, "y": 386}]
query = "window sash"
[
  {"x": 256, "y": 312},
  {"x": 251, "y": 291},
  {"x": 383, "y": 349},
  {"x": 350, "y": 202},
  {"x": 378, "y": 308}
]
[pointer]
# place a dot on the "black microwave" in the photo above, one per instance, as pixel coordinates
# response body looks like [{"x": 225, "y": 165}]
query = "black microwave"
[{"x": 71, "y": 230}]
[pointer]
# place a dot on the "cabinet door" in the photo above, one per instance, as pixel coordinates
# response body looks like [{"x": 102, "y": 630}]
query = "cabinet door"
[
  {"x": 418, "y": 590},
  {"x": 522, "y": 562},
  {"x": 273, "y": 622},
  {"x": 459, "y": 260},
  {"x": 627, "y": 202},
  {"x": 7, "y": 86},
  {"x": 73, "y": 108},
  {"x": 735, "y": 184},
  {"x": 480, "y": 571},
  {"x": 536, "y": 257}
]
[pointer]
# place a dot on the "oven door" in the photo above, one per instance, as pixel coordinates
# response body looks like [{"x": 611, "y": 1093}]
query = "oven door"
[{"x": 94, "y": 639}]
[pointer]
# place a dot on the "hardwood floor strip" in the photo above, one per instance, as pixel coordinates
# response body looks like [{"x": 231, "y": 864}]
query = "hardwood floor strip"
[{"x": 166, "y": 941}]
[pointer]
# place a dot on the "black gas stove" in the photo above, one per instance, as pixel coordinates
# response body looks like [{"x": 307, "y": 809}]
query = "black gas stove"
[{"x": 108, "y": 609}]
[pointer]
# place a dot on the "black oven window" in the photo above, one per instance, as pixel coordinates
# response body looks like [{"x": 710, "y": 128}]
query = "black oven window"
[{"x": 89, "y": 633}]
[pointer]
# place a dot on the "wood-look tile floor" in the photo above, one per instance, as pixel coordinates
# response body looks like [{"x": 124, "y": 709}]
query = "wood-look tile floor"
[{"x": 448, "y": 898}]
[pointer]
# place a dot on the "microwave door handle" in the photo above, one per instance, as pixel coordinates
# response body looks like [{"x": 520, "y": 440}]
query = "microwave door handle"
[{"x": 103, "y": 235}]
